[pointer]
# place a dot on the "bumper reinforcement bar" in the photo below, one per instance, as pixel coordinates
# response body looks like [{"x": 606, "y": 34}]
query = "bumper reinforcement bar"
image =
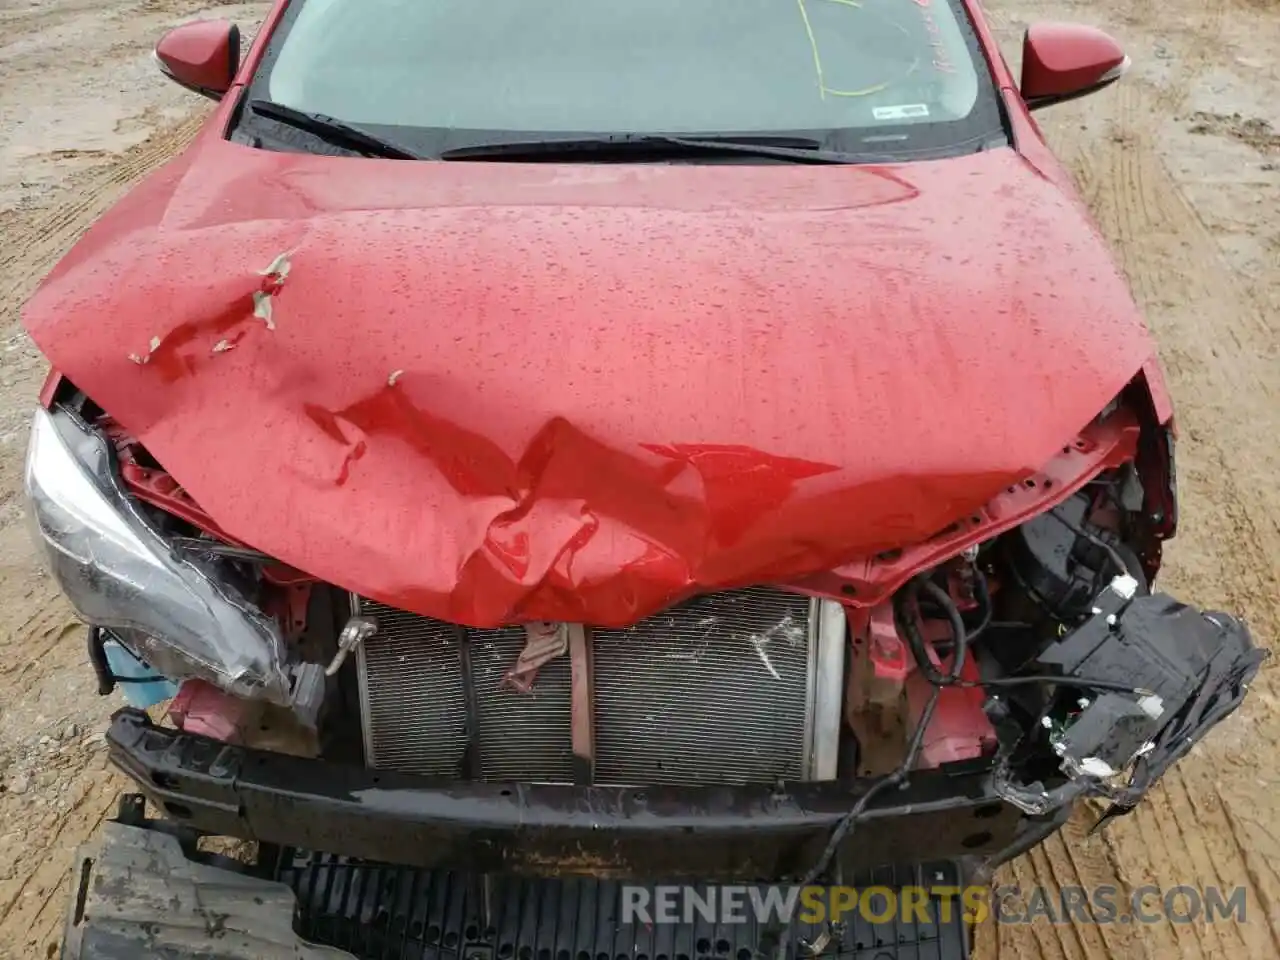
[{"x": 752, "y": 833}]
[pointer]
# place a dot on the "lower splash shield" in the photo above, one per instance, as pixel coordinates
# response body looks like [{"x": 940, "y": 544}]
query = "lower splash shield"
[{"x": 304, "y": 905}]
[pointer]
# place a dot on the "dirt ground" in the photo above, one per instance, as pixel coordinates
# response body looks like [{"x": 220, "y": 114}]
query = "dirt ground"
[{"x": 1181, "y": 165}]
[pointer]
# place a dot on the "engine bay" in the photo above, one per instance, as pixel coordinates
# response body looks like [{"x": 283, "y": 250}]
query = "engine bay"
[{"x": 1030, "y": 645}]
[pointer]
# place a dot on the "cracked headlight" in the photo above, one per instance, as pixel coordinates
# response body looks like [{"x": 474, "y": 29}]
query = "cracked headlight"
[{"x": 120, "y": 573}]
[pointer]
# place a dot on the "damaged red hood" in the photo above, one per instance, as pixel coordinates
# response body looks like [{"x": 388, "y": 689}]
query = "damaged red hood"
[{"x": 497, "y": 392}]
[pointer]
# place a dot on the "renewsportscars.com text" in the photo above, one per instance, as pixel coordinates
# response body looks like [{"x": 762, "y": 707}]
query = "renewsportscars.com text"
[{"x": 1007, "y": 904}]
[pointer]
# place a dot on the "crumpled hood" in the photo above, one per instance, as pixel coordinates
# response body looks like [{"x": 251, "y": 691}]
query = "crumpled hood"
[{"x": 495, "y": 392}]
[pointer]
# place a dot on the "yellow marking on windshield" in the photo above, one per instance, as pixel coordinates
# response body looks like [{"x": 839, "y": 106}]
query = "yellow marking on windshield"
[
  {"x": 823, "y": 89},
  {"x": 813, "y": 45},
  {"x": 859, "y": 93},
  {"x": 878, "y": 87}
]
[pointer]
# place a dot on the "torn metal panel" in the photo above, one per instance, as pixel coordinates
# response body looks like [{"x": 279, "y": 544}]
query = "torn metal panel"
[
  {"x": 659, "y": 384},
  {"x": 544, "y": 642},
  {"x": 262, "y": 308},
  {"x": 152, "y": 346},
  {"x": 278, "y": 269}
]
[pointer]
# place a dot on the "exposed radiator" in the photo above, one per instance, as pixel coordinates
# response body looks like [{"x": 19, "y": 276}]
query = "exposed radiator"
[
  {"x": 734, "y": 687},
  {"x": 709, "y": 692}
]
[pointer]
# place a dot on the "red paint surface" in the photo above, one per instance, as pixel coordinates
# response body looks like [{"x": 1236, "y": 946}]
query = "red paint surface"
[
  {"x": 621, "y": 384},
  {"x": 202, "y": 54},
  {"x": 959, "y": 729},
  {"x": 872, "y": 578},
  {"x": 886, "y": 652},
  {"x": 1060, "y": 59}
]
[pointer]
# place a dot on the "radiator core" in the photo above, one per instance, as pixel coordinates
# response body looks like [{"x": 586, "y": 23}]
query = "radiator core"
[{"x": 724, "y": 688}]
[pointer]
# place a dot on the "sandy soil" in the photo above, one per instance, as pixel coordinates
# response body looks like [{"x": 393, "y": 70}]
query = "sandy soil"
[{"x": 1181, "y": 164}]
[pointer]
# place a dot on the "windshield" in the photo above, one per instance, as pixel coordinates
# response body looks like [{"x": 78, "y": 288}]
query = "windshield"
[{"x": 904, "y": 72}]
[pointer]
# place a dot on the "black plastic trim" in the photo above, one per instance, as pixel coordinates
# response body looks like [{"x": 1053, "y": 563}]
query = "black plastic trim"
[{"x": 744, "y": 833}]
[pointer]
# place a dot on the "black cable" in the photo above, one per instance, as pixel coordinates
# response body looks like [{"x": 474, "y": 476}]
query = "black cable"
[
  {"x": 1096, "y": 540},
  {"x": 916, "y": 642},
  {"x": 102, "y": 669},
  {"x": 1081, "y": 682},
  {"x": 98, "y": 660},
  {"x": 904, "y": 607},
  {"x": 907, "y": 615},
  {"x": 850, "y": 820},
  {"x": 960, "y": 635},
  {"x": 982, "y": 594},
  {"x": 899, "y": 776},
  {"x": 916, "y": 744},
  {"x": 982, "y": 599}
]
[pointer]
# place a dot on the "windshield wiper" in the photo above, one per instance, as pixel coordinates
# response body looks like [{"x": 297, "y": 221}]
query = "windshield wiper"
[
  {"x": 334, "y": 131},
  {"x": 795, "y": 149}
]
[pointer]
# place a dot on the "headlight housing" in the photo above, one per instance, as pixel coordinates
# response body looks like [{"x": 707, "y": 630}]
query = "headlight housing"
[{"x": 120, "y": 573}]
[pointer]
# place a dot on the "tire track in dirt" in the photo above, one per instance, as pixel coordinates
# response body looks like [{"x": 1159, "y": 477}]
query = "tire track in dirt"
[
  {"x": 32, "y": 909},
  {"x": 37, "y": 638},
  {"x": 35, "y": 242}
]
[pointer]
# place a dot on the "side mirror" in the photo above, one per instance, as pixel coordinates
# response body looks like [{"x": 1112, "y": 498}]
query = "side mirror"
[
  {"x": 1062, "y": 61},
  {"x": 202, "y": 56}
]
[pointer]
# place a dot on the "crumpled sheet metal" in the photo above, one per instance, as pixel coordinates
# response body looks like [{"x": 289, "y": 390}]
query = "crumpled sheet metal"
[
  {"x": 545, "y": 640},
  {"x": 501, "y": 393}
]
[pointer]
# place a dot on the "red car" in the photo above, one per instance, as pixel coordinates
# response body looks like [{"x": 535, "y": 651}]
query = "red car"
[{"x": 700, "y": 444}]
